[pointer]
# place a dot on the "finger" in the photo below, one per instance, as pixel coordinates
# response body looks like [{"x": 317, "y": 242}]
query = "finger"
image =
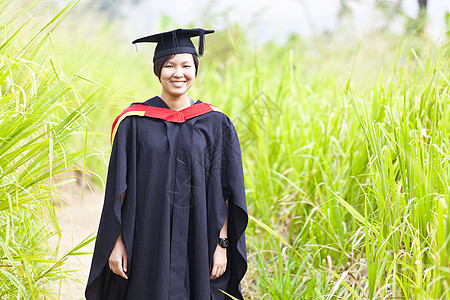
[
  {"x": 213, "y": 273},
  {"x": 116, "y": 268},
  {"x": 220, "y": 272},
  {"x": 122, "y": 274},
  {"x": 119, "y": 271},
  {"x": 125, "y": 263},
  {"x": 113, "y": 266}
]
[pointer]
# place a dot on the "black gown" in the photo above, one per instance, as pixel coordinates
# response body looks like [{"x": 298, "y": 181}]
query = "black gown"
[{"x": 176, "y": 177}]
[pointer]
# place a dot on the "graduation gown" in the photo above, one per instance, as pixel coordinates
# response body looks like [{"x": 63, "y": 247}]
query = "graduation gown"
[{"x": 177, "y": 168}]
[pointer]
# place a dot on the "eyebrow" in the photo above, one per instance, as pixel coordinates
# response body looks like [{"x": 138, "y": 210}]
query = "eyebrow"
[{"x": 183, "y": 62}]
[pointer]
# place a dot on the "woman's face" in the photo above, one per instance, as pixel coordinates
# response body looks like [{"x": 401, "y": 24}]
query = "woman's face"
[{"x": 177, "y": 75}]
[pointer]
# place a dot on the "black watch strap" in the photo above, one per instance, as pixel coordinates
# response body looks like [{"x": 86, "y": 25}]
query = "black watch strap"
[{"x": 223, "y": 242}]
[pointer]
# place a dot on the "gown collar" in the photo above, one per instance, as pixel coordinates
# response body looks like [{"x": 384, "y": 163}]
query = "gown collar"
[
  {"x": 158, "y": 102},
  {"x": 156, "y": 108}
]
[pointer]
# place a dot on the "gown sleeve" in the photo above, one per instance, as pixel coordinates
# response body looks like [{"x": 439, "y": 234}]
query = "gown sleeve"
[
  {"x": 233, "y": 189},
  {"x": 102, "y": 283}
]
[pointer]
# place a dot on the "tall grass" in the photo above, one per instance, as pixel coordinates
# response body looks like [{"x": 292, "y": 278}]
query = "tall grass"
[
  {"x": 358, "y": 184},
  {"x": 345, "y": 150},
  {"x": 407, "y": 196},
  {"x": 40, "y": 110}
]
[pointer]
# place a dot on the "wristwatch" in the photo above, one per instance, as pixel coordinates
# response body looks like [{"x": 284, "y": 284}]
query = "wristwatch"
[{"x": 223, "y": 242}]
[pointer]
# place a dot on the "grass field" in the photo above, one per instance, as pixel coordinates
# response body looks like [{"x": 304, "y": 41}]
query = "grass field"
[{"x": 345, "y": 146}]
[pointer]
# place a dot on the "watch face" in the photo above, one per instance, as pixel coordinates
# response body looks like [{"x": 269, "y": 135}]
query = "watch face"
[{"x": 223, "y": 242}]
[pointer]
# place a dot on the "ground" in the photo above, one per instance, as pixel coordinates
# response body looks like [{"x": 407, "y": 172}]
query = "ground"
[{"x": 78, "y": 218}]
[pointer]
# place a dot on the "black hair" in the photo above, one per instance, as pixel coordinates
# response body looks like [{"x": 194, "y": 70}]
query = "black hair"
[{"x": 158, "y": 64}]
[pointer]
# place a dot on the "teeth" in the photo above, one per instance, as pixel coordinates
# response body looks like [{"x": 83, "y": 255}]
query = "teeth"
[{"x": 178, "y": 83}]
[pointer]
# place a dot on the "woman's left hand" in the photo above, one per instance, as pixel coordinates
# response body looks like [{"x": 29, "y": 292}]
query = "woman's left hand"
[{"x": 219, "y": 263}]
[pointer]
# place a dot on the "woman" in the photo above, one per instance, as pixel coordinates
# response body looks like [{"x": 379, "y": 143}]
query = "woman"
[{"x": 174, "y": 214}]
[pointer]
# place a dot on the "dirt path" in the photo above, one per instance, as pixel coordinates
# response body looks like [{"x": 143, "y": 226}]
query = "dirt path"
[{"x": 78, "y": 218}]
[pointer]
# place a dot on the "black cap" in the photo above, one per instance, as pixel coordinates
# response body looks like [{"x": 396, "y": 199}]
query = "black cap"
[{"x": 176, "y": 41}]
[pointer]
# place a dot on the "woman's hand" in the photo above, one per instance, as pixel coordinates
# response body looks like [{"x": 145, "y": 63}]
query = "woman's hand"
[
  {"x": 118, "y": 259},
  {"x": 219, "y": 263}
]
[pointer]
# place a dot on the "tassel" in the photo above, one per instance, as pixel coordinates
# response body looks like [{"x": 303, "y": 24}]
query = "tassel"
[{"x": 201, "y": 43}]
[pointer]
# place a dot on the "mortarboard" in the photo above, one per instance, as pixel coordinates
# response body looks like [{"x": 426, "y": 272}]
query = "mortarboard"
[{"x": 176, "y": 41}]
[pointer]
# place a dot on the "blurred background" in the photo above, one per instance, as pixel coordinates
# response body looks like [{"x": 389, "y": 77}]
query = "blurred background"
[
  {"x": 342, "y": 111},
  {"x": 267, "y": 20},
  {"x": 370, "y": 36}
]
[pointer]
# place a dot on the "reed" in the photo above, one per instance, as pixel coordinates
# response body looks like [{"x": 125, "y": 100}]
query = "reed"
[
  {"x": 345, "y": 154},
  {"x": 40, "y": 111},
  {"x": 345, "y": 150}
]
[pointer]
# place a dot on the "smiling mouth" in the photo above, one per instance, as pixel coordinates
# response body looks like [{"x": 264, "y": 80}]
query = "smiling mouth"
[{"x": 178, "y": 83}]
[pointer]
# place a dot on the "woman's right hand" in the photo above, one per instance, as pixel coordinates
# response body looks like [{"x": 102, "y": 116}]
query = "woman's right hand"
[{"x": 118, "y": 259}]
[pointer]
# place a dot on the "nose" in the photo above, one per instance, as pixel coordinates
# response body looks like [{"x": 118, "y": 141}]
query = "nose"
[{"x": 178, "y": 72}]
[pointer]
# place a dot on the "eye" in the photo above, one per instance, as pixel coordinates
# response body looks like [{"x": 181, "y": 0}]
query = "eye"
[
  {"x": 187, "y": 66},
  {"x": 168, "y": 66}
]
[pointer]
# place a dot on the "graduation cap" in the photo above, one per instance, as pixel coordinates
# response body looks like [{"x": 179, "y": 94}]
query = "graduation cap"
[{"x": 176, "y": 41}]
